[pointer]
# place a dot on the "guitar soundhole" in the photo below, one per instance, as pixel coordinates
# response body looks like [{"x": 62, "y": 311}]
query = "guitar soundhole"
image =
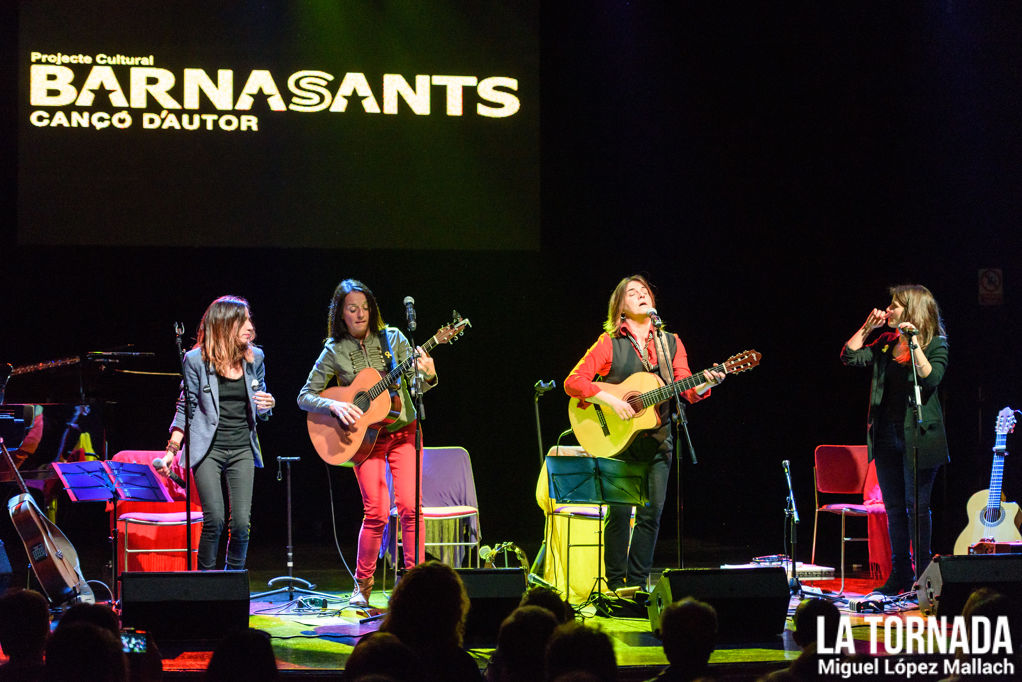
[
  {"x": 635, "y": 401},
  {"x": 992, "y": 517},
  {"x": 362, "y": 401}
]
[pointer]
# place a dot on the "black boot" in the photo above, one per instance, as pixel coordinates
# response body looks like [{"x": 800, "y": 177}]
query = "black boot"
[{"x": 900, "y": 580}]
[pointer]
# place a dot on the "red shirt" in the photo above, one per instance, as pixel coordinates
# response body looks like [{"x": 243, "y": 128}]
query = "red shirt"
[{"x": 597, "y": 361}]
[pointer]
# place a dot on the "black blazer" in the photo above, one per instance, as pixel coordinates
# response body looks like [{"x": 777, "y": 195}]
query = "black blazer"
[{"x": 932, "y": 441}]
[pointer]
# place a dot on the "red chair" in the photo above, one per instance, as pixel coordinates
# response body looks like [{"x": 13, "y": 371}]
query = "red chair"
[
  {"x": 844, "y": 470},
  {"x": 151, "y": 535}
]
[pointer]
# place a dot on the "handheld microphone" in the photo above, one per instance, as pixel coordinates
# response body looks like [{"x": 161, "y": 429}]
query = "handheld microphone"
[
  {"x": 410, "y": 312},
  {"x": 255, "y": 385},
  {"x": 544, "y": 386},
  {"x": 171, "y": 474}
]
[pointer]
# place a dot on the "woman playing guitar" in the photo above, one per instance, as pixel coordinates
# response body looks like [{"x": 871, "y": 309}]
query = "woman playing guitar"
[{"x": 361, "y": 344}]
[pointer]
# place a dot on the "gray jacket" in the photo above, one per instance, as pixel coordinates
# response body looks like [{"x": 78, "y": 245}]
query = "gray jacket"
[{"x": 204, "y": 394}]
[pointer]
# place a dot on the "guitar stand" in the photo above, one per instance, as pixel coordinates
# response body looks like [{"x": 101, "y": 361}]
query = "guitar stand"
[{"x": 307, "y": 589}]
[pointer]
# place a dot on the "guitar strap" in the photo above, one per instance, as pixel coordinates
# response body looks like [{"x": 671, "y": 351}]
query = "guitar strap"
[{"x": 388, "y": 354}]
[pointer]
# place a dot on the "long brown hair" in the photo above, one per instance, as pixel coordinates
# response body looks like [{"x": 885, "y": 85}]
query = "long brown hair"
[
  {"x": 335, "y": 319},
  {"x": 921, "y": 309},
  {"x": 617, "y": 302},
  {"x": 218, "y": 334}
]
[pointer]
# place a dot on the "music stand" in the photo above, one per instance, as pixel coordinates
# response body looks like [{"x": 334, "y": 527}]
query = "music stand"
[
  {"x": 106, "y": 480},
  {"x": 599, "y": 481}
]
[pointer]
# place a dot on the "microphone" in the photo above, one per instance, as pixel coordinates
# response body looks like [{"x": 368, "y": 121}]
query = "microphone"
[
  {"x": 653, "y": 316},
  {"x": 255, "y": 385},
  {"x": 908, "y": 332},
  {"x": 544, "y": 386},
  {"x": 410, "y": 312},
  {"x": 534, "y": 579},
  {"x": 791, "y": 491},
  {"x": 171, "y": 474}
]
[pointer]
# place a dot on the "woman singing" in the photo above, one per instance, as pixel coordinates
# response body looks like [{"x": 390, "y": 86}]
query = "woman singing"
[
  {"x": 358, "y": 338},
  {"x": 917, "y": 336},
  {"x": 224, "y": 378}
]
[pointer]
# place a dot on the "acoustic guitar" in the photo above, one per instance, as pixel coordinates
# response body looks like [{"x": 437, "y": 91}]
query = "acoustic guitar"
[
  {"x": 990, "y": 517},
  {"x": 602, "y": 433},
  {"x": 53, "y": 557},
  {"x": 338, "y": 444}
]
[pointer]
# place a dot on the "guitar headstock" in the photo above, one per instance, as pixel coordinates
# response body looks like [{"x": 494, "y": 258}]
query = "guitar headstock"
[
  {"x": 1005, "y": 422},
  {"x": 452, "y": 332},
  {"x": 741, "y": 362}
]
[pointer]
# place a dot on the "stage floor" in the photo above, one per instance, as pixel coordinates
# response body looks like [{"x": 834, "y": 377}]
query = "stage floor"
[{"x": 313, "y": 642}]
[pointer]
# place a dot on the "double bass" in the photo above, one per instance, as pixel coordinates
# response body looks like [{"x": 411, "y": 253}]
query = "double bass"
[{"x": 53, "y": 557}]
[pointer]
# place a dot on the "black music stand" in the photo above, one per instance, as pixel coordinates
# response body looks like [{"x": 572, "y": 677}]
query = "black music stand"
[
  {"x": 599, "y": 481},
  {"x": 101, "y": 481}
]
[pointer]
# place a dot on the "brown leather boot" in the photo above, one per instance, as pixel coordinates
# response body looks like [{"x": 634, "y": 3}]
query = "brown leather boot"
[{"x": 360, "y": 595}]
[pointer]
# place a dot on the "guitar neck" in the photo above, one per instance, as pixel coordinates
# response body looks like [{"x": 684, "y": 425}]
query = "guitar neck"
[
  {"x": 14, "y": 468},
  {"x": 997, "y": 472},
  {"x": 400, "y": 369},
  {"x": 659, "y": 395}
]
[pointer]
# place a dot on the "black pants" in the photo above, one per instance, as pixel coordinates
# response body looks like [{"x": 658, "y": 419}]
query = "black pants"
[
  {"x": 894, "y": 474},
  {"x": 631, "y": 563}
]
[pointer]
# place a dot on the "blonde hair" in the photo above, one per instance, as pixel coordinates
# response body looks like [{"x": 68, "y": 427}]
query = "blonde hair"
[
  {"x": 218, "y": 334},
  {"x": 921, "y": 309}
]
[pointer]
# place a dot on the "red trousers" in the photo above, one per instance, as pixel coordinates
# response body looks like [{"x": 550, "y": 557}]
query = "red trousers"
[{"x": 397, "y": 450}]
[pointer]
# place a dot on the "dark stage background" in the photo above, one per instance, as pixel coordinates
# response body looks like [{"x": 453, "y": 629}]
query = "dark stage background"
[{"x": 772, "y": 170}]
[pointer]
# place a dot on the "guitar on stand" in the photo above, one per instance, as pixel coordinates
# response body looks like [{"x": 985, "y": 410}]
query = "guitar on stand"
[
  {"x": 53, "y": 557},
  {"x": 602, "y": 433},
  {"x": 990, "y": 517},
  {"x": 338, "y": 444}
]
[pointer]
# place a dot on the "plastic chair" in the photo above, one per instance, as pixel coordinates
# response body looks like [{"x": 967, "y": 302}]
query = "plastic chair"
[
  {"x": 151, "y": 535},
  {"x": 842, "y": 470},
  {"x": 450, "y": 511}
]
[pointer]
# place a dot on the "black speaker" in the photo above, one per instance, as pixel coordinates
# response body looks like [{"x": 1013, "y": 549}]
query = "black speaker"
[
  {"x": 185, "y": 605},
  {"x": 751, "y": 603},
  {"x": 5, "y": 569},
  {"x": 948, "y": 581},
  {"x": 494, "y": 593}
]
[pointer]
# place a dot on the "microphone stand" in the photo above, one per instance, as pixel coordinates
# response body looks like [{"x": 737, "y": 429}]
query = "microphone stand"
[
  {"x": 680, "y": 421},
  {"x": 791, "y": 514},
  {"x": 917, "y": 403},
  {"x": 539, "y": 388},
  {"x": 179, "y": 330},
  {"x": 420, "y": 415}
]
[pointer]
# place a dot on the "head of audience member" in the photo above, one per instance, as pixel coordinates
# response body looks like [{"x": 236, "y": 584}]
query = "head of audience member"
[
  {"x": 991, "y": 604},
  {"x": 428, "y": 607},
  {"x": 689, "y": 632},
  {"x": 383, "y": 655},
  {"x": 24, "y": 626},
  {"x": 243, "y": 655},
  {"x": 806, "y": 621},
  {"x": 550, "y": 600},
  {"x": 85, "y": 652},
  {"x": 521, "y": 644},
  {"x": 578, "y": 648},
  {"x": 100, "y": 615}
]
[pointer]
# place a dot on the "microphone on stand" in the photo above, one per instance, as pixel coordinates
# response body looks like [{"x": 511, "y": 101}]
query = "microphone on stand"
[
  {"x": 654, "y": 317},
  {"x": 787, "y": 474},
  {"x": 544, "y": 386},
  {"x": 410, "y": 312}
]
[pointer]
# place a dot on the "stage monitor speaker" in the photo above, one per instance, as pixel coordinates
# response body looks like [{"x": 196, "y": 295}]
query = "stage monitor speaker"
[
  {"x": 948, "y": 581},
  {"x": 185, "y": 605},
  {"x": 751, "y": 603},
  {"x": 5, "y": 569},
  {"x": 494, "y": 593}
]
